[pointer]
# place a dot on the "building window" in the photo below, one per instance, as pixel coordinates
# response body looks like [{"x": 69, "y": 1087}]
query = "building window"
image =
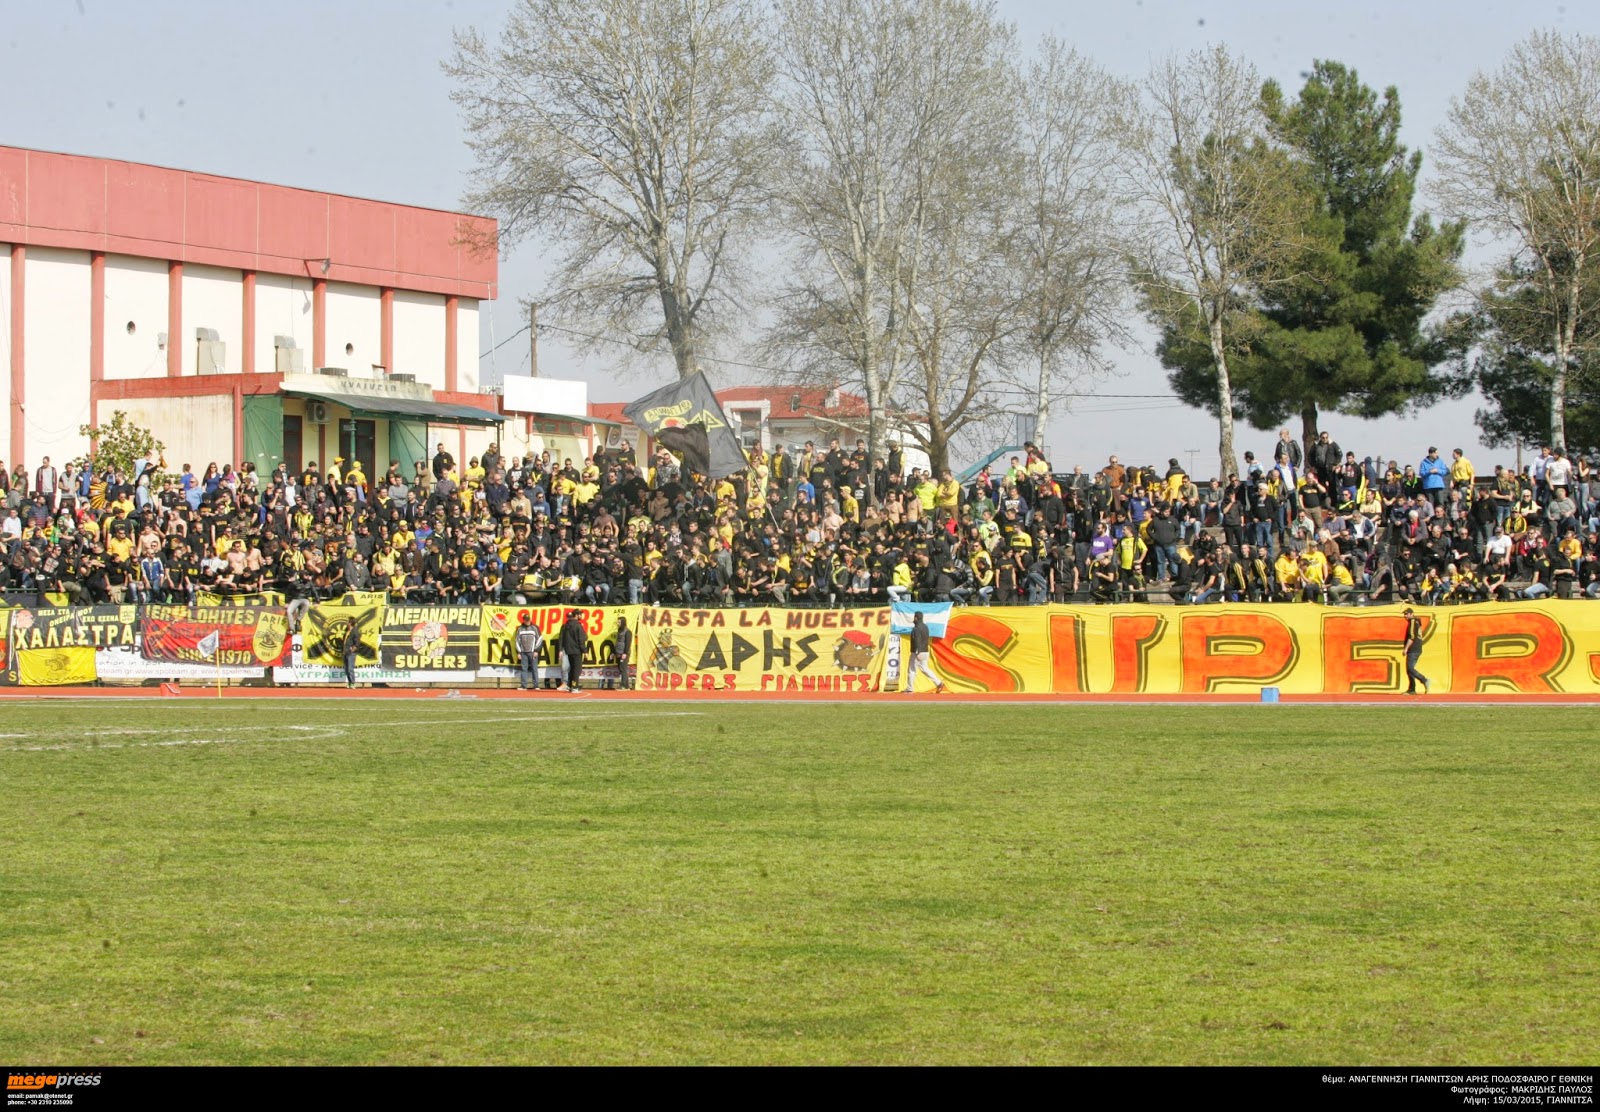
[{"x": 749, "y": 427}]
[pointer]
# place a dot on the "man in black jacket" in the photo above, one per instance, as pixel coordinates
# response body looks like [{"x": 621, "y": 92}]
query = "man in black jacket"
[
  {"x": 574, "y": 640},
  {"x": 624, "y": 650},
  {"x": 920, "y": 638}
]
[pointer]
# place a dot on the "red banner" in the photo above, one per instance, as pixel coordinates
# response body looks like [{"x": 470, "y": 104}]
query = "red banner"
[{"x": 245, "y": 635}]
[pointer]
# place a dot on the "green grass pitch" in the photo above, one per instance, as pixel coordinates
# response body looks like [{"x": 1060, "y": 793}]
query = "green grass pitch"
[{"x": 570, "y": 881}]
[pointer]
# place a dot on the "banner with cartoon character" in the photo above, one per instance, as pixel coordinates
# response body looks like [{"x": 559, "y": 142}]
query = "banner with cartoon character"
[
  {"x": 831, "y": 651},
  {"x": 431, "y": 638}
]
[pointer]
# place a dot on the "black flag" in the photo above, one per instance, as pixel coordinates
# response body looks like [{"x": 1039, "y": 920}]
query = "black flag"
[{"x": 685, "y": 418}]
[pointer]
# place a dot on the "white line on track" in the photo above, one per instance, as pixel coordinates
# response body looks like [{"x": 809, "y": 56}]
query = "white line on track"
[
  {"x": 314, "y": 733},
  {"x": 297, "y": 732},
  {"x": 489, "y": 720},
  {"x": 137, "y": 730}
]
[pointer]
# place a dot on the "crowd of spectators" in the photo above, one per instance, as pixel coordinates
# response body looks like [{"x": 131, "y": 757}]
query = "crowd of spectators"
[{"x": 809, "y": 526}]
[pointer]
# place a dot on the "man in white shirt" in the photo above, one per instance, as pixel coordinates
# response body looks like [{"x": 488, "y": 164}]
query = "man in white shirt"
[
  {"x": 1498, "y": 550},
  {"x": 1558, "y": 471}
]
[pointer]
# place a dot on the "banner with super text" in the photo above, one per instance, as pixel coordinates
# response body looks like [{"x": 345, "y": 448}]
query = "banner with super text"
[
  {"x": 246, "y": 635},
  {"x": 498, "y": 643},
  {"x": 430, "y": 638},
  {"x": 1531, "y": 648},
  {"x": 822, "y": 651}
]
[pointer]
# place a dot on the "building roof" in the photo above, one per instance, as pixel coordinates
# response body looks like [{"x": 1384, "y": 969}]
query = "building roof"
[
  {"x": 796, "y": 403},
  {"x": 609, "y": 412},
  {"x": 784, "y": 403},
  {"x": 129, "y": 208}
]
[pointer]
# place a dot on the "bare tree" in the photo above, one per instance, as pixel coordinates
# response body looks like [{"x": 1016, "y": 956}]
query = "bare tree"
[
  {"x": 1219, "y": 213},
  {"x": 883, "y": 104},
  {"x": 1068, "y": 254},
  {"x": 1519, "y": 153},
  {"x": 627, "y": 135},
  {"x": 963, "y": 313}
]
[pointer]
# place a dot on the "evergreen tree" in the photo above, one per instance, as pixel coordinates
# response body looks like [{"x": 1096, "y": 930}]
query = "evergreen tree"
[{"x": 1345, "y": 333}]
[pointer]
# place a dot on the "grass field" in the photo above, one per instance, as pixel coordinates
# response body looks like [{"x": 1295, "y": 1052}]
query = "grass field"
[{"x": 565, "y": 880}]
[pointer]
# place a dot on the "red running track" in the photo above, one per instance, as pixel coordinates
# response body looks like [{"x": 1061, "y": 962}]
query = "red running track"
[{"x": 433, "y": 693}]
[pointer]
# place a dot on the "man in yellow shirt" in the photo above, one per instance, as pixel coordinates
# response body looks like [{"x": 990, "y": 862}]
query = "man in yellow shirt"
[
  {"x": 1461, "y": 471},
  {"x": 119, "y": 546},
  {"x": 1131, "y": 551},
  {"x": 900, "y": 589},
  {"x": 947, "y": 495},
  {"x": 1314, "y": 574},
  {"x": 1287, "y": 570}
]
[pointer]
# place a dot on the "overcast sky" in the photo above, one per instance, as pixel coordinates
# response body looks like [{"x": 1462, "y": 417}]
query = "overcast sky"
[{"x": 348, "y": 97}]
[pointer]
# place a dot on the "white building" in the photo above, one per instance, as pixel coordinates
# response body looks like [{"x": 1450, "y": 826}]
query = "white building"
[{"x": 239, "y": 321}]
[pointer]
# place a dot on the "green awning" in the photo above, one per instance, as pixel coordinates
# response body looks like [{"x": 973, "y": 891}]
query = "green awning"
[{"x": 439, "y": 413}]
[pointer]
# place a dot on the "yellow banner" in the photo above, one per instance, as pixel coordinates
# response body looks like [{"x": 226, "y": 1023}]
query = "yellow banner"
[
  {"x": 243, "y": 598},
  {"x": 1533, "y": 648},
  {"x": 323, "y": 631},
  {"x": 823, "y": 651},
  {"x": 1530, "y": 648},
  {"x": 55, "y": 667},
  {"x": 498, "y": 635},
  {"x": 361, "y": 598}
]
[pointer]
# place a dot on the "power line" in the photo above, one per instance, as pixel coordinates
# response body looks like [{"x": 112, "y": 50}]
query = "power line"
[{"x": 504, "y": 342}]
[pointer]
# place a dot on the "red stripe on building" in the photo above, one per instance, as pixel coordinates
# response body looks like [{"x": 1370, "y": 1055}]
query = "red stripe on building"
[
  {"x": 247, "y": 362},
  {"x": 19, "y": 366},
  {"x": 386, "y": 330},
  {"x": 319, "y": 323},
  {"x": 97, "y": 317},
  {"x": 450, "y": 306},
  {"x": 175, "y": 345}
]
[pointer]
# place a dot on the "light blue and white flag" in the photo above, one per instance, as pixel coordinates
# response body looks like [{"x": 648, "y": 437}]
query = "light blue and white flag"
[{"x": 935, "y": 615}]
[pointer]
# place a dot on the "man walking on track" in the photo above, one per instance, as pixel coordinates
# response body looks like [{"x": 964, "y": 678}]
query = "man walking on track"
[
  {"x": 351, "y": 648},
  {"x": 530, "y": 641},
  {"x": 624, "y": 650},
  {"x": 574, "y": 640},
  {"x": 1414, "y": 653},
  {"x": 919, "y": 657}
]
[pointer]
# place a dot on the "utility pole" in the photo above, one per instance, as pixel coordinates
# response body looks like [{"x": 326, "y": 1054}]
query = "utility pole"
[{"x": 533, "y": 339}]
